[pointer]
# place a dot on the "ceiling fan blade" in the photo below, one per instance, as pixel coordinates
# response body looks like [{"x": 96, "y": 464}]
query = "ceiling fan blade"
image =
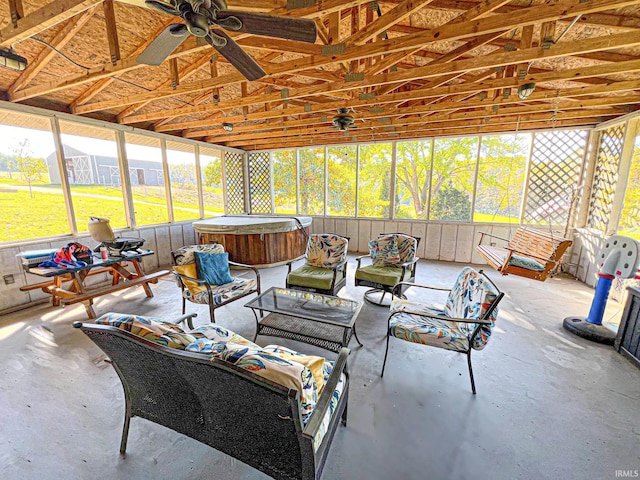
[
  {"x": 162, "y": 7},
  {"x": 164, "y": 44},
  {"x": 246, "y": 65},
  {"x": 289, "y": 28}
]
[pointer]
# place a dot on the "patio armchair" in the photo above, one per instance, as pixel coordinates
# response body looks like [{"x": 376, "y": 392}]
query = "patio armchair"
[
  {"x": 325, "y": 268},
  {"x": 203, "y": 275},
  {"x": 393, "y": 260},
  {"x": 464, "y": 324}
]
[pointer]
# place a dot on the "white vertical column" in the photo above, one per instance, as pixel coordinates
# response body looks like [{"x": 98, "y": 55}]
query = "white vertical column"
[
  {"x": 167, "y": 179},
  {"x": 64, "y": 179},
  {"x": 125, "y": 179}
]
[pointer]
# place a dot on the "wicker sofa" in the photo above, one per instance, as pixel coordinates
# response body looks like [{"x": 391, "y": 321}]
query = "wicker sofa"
[{"x": 224, "y": 405}]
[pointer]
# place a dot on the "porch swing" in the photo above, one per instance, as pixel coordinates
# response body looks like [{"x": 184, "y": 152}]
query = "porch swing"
[{"x": 529, "y": 253}]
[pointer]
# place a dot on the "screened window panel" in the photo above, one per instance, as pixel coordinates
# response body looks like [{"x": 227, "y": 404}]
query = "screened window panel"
[
  {"x": 211, "y": 174},
  {"x": 341, "y": 181},
  {"x": 454, "y": 166},
  {"x": 93, "y": 170},
  {"x": 500, "y": 183},
  {"x": 32, "y": 200},
  {"x": 413, "y": 168},
  {"x": 374, "y": 180},
  {"x": 630, "y": 218},
  {"x": 147, "y": 179},
  {"x": 284, "y": 181},
  {"x": 181, "y": 158},
  {"x": 311, "y": 181}
]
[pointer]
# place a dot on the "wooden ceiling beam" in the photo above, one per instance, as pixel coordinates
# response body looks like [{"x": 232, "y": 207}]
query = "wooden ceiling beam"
[
  {"x": 42, "y": 19},
  {"x": 480, "y": 63},
  {"x": 60, "y": 39},
  {"x": 459, "y": 31},
  {"x": 383, "y": 23},
  {"x": 112, "y": 31},
  {"x": 479, "y": 119},
  {"x": 341, "y": 139}
]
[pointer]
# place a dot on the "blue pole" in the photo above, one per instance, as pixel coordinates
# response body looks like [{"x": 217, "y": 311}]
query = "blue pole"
[{"x": 600, "y": 299}]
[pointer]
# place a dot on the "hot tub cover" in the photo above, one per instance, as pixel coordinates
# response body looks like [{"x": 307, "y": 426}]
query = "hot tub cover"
[{"x": 250, "y": 224}]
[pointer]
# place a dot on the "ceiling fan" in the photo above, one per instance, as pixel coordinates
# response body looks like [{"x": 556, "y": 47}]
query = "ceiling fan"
[
  {"x": 200, "y": 15},
  {"x": 342, "y": 121}
]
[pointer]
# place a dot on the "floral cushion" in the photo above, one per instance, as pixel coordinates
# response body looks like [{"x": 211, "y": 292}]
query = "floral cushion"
[
  {"x": 470, "y": 297},
  {"x": 275, "y": 368},
  {"x": 222, "y": 293},
  {"x": 326, "y": 250},
  {"x": 384, "y": 251},
  {"x": 408, "y": 323},
  {"x": 333, "y": 403},
  {"x": 407, "y": 246},
  {"x": 184, "y": 255},
  {"x": 215, "y": 333},
  {"x": 313, "y": 363},
  {"x": 153, "y": 329}
]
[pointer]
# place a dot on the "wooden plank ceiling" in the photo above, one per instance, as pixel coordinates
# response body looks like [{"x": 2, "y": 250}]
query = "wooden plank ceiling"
[{"x": 404, "y": 68}]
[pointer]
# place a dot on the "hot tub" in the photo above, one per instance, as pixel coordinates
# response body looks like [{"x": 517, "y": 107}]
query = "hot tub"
[{"x": 257, "y": 240}]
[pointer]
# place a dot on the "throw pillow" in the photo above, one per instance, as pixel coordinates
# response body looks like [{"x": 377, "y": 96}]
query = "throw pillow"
[
  {"x": 190, "y": 270},
  {"x": 384, "y": 251},
  {"x": 213, "y": 268},
  {"x": 525, "y": 262}
]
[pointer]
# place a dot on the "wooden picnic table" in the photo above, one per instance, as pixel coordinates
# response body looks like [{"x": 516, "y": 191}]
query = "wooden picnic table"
[{"x": 75, "y": 290}]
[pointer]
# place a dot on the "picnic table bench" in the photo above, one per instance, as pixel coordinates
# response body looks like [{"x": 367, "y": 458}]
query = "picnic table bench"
[{"x": 76, "y": 290}]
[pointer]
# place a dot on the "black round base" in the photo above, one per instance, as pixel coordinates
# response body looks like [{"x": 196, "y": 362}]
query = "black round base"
[
  {"x": 584, "y": 329},
  {"x": 376, "y": 297}
]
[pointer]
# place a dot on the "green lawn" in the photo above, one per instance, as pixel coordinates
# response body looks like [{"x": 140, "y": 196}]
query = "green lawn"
[{"x": 24, "y": 217}]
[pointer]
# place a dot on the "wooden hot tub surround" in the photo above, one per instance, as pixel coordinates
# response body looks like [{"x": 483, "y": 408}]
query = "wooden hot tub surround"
[{"x": 257, "y": 240}]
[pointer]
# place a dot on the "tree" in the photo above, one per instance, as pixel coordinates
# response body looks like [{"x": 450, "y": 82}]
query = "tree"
[
  {"x": 451, "y": 204},
  {"x": 30, "y": 168},
  {"x": 213, "y": 174}
]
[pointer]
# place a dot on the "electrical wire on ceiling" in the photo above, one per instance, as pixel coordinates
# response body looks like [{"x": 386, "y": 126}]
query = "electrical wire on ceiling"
[{"x": 84, "y": 67}]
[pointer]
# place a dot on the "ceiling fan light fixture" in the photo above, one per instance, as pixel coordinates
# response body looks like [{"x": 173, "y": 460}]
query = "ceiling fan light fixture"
[
  {"x": 227, "y": 126},
  {"x": 343, "y": 120},
  {"x": 11, "y": 60},
  {"x": 525, "y": 90}
]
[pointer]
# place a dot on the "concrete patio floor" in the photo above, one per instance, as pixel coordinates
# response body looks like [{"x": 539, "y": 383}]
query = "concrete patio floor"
[{"x": 549, "y": 405}]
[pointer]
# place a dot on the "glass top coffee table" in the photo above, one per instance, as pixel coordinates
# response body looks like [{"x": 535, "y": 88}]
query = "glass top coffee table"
[{"x": 321, "y": 320}]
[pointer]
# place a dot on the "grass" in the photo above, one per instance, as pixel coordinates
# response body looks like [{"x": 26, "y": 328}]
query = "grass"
[{"x": 24, "y": 217}]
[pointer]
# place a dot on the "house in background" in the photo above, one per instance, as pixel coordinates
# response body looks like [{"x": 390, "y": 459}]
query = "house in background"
[{"x": 86, "y": 169}]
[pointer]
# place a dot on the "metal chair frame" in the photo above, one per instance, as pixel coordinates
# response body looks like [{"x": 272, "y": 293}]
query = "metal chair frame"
[
  {"x": 382, "y": 288},
  {"x": 213, "y": 306},
  {"x": 484, "y": 320},
  {"x": 335, "y": 287}
]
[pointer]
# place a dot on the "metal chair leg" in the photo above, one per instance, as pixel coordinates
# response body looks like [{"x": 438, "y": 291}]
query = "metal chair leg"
[
  {"x": 473, "y": 384},
  {"x": 386, "y": 351},
  {"x": 212, "y": 315},
  {"x": 372, "y": 301},
  {"x": 184, "y": 305},
  {"x": 125, "y": 429}
]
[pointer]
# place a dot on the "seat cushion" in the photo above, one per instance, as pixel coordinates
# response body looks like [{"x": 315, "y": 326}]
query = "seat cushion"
[
  {"x": 313, "y": 277},
  {"x": 526, "y": 262},
  {"x": 408, "y": 324},
  {"x": 213, "y": 268},
  {"x": 313, "y": 363},
  {"x": 216, "y": 334},
  {"x": 326, "y": 250},
  {"x": 223, "y": 293},
  {"x": 383, "y": 275},
  {"x": 184, "y": 255},
  {"x": 152, "y": 329}
]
